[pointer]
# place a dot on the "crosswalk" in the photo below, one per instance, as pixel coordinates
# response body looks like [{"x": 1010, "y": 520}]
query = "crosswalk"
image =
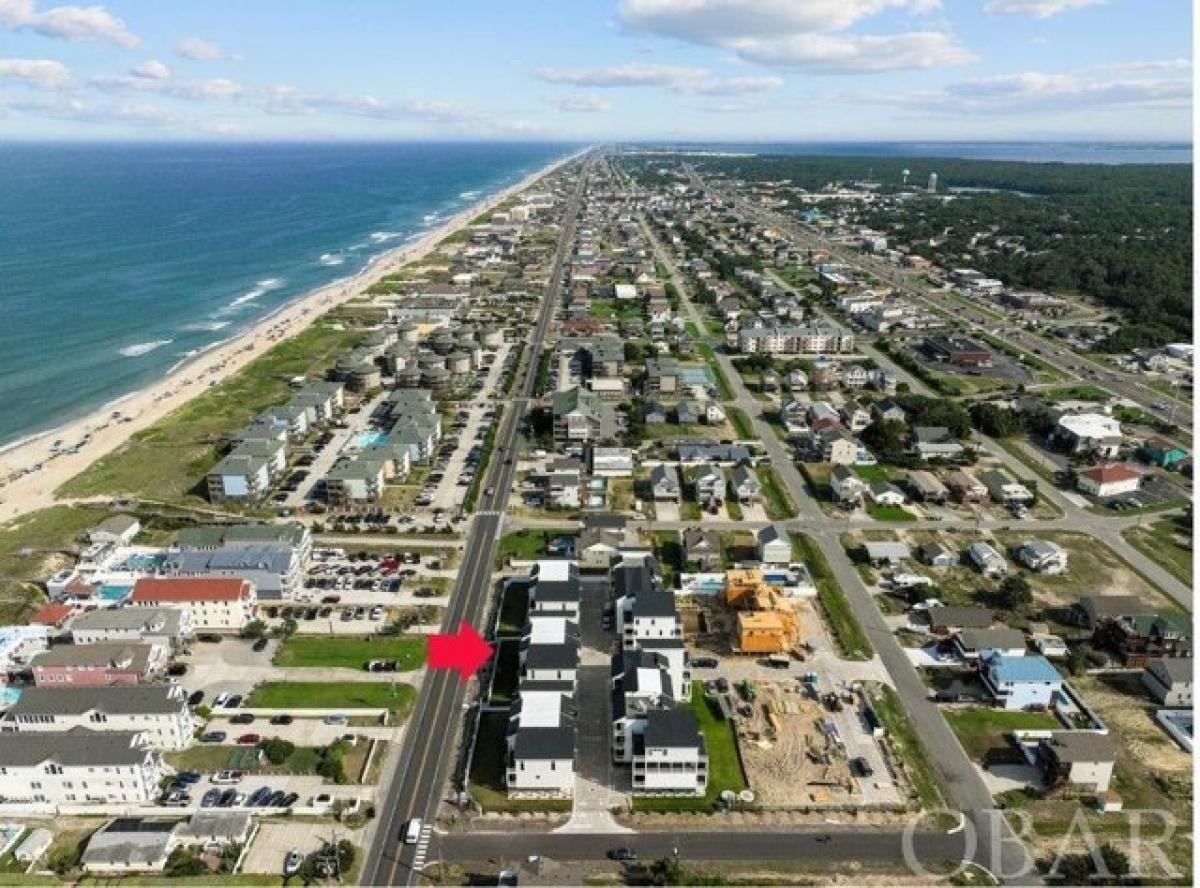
[{"x": 422, "y": 847}]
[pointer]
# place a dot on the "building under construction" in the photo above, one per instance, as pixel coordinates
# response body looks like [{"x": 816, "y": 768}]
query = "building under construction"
[{"x": 766, "y": 621}]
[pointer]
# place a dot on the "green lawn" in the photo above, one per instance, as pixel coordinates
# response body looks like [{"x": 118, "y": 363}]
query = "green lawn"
[
  {"x": 529, "y": 544},
  {"x": 890, "y": 513},
  {"x": 851, "y": 640},
  {"x": 724, "y": 766},
  {"x": 298, "y": 695},
  {"x": 508, "y": 671},
  {"x": 514, "y": 609},
  {"x": 689, "y": 510},
  {"x": 906, "y": 744},
  {"x": 872, "y": 474},
  {"x": 741, "y": 423},
  {"x": 208, "y": 758},
  {"x": 1082, "y": 392},
  {"x": 980, "y": 729},
  {"x": 167, "y": 461},
  {"x": 1161, "y": 541},
  {"x": 351, "y": 651},
  {"x": 775, "y": 499}
]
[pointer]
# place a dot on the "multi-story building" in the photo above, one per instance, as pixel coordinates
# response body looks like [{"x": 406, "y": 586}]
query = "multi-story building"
[
  {"x": 160, "y": 712},
  {"x": 78, "y": 767},
  {"x": 168, "y": 627},
  {"x": 91, "y": 665},
  {"x": 213, "y": 604}
]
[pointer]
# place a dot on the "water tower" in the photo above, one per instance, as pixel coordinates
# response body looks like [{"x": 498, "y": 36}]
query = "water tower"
[
  {"x": 932, "y": 189},
  {"x": 905, "y": 174}
]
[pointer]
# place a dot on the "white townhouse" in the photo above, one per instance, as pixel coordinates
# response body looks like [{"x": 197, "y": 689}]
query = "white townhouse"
[
  {"x": 159, "y": 712},
  {"x": 669, "y": 755},
  {"x": 541, "y": 746},
  {"x": 78, "y": 767}
]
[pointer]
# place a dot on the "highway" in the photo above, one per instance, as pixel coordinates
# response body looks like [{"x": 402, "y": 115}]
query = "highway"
[{"x": 429, "y": 748}]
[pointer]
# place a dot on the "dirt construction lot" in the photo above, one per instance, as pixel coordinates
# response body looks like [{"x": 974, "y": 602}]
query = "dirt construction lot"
[{"x": 791, "y": 763}]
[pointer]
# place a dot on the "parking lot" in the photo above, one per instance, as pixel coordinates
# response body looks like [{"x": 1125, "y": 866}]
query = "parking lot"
[{"x": 276, "y": 838}]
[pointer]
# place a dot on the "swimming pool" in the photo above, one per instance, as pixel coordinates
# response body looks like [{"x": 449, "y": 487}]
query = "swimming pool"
[
  {"x": 140, "y": 562},
  {"x": 115, "y": 593},
  {"x": 369, "y": 439}
]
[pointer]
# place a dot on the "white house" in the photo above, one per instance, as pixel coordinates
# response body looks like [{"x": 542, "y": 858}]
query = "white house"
[
  {"x": 541, "y": 747},
  {"x": 986, "y": 559},
  {"x": 1110, "y": 480},
  {"x": 1169, "y": 680},
  {"x": 1043, "y": 556},
  {"x": 159, "y": 712},
  {"x": 1021, "y": 682},
  {"x": 78, "y": 767},
  {"x": 774, "y": 545},
  {"x": 669, "y": 755},
  {"x": 165, "y": 626}
]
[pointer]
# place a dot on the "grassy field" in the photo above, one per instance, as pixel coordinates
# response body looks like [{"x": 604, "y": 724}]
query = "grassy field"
[
  {"x": 906, "y": 744},
  {"x": 890, "y": 513},
  {"x": 31, "y": 548},
  {"x": 724, "y": 766},
  {"x": 847, "y": 632},
  {"x": 1161, "y": 541},
  {"x": 775, "y": 499},
  {"x": 297, "y": 695},
  {"x": 514, "y": 610},
  {"x": 741, "y": 423},
  {"x": 209, "y": 758},
  {"x": 873, "y": 474},
  {"x": 486, "y": 782},
  {"x": 1082, "y": 392},
  {"x": 351, "y": 651},
  {"x": 982, "y": 729},
  {"x": 168, "y": 460},
  {"x": 508, "y": 671},
  {"x": 529, "y": 544}
]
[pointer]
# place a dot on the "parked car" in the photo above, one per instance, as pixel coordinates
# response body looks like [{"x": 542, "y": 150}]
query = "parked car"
[
  {"x": 196, "y": 698},
  {"x": 213, "y": 737},
  {"x": 249, "y": 740},
  {"x": 210, "y": 798},
  {"x": 282, "y": 719},
  {"x": 259, "y": 646}
]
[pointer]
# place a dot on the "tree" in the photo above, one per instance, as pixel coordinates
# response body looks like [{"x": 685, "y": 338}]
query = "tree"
[
  {"x": 333, "y": 762},
  {"x": 1014, "y": 593},
  {"x": 885, "y": 440},
  {"x": 277, "y": 750},
  {"x": 184, "y": 862},
  {"x": 995, "y": 421},
  {"x": 254, "y": 629},
  {"x": 666, "y": 871},
  {"x": 287, "y": 628}
]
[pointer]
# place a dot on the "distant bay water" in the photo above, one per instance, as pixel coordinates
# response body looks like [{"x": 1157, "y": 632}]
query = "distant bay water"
[
  {"x": 1030, "y": 152},
  {"x": 117, "y": 261}
]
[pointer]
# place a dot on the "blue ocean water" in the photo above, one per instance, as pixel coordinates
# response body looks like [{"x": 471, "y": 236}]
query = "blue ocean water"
[{"x": 118, "y": 260}]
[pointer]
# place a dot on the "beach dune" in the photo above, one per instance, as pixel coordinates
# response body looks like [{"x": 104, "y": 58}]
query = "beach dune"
[{"x": 32, "y": 469}]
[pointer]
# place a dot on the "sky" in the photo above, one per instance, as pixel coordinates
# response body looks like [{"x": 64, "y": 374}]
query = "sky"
[{"x": 597, "y": 70}]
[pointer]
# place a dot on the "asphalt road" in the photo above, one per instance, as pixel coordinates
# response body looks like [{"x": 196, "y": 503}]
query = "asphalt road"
[
  {"x": 429, "y": 748},
  {"x": 510, "y": 849}
]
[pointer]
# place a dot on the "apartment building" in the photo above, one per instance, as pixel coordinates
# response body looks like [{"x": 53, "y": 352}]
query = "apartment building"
[{"x": 160, "y": 712}]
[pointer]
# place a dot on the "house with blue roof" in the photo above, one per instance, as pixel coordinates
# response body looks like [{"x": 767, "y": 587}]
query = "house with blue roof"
[{"x": 1021, "y": 682}]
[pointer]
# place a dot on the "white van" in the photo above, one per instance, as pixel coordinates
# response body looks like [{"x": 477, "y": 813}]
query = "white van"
[{"x": 412, "y": 832}]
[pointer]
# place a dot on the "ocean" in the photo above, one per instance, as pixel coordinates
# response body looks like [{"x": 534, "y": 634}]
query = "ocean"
[{"x": 118, "y": 261}]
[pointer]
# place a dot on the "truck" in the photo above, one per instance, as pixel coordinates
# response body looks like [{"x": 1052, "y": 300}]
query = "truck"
[{"x": 412, "y": 831}]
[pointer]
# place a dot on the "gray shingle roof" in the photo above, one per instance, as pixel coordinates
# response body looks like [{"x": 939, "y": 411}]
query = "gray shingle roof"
[{"x": 78, "y": 746}]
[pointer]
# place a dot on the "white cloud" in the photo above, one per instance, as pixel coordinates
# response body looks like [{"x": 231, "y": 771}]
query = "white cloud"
[
  {"x": 715, "y": 21},
  {"x": 1040, "y": 9},
  {"x": 152, "y": 70},
  {"x": 1154, "y": 65},
  {"x": 795, "y": 34},
  {"x": 40, "y": 73},
  {"x": 847, "y": 54},
  {"x": 199, "y": 50},
  {"x": 677, "y": 78},
  {"x": 1036, "y": 91},
  {"x": 66, "y": 22},
  {"x": 583, "y": 104}
]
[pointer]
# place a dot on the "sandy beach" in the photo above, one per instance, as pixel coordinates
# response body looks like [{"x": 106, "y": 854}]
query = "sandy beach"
[{"x": 32, "y": 470}]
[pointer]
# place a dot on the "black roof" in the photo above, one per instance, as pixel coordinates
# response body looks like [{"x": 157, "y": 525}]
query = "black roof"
[
  {"x": 545, "y": 743},
  {"x": 654, "y": 602},
  {"x": 672, "y": 728}
]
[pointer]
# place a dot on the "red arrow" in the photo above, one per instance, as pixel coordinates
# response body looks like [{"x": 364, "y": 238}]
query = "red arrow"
[{"x": 464, "y": 651}]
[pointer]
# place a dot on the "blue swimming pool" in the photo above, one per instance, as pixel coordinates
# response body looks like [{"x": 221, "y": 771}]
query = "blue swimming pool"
[
  {"x": 369, "y": 439},
  {"x": 141, "y": 563},
  {"x": 115, "y": 593}
]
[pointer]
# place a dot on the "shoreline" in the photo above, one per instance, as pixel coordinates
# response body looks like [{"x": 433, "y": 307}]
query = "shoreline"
[{"x": 31, "y": 468}]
